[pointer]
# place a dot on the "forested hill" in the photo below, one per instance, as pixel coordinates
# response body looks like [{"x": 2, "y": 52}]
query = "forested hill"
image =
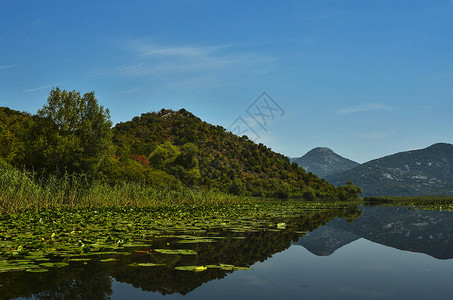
[
  {"x": 217, "y": 159},
  {"x": 162, "y": 150}
]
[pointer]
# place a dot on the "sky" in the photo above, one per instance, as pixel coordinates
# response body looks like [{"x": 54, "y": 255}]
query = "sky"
[{"x": 364, "y": 78}]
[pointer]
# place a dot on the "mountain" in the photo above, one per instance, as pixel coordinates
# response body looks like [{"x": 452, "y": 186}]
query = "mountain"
[
  {"x": 323, "y": 161},
  {"x": 427, "y": 171},
  {"x": 208, "y": 156}
]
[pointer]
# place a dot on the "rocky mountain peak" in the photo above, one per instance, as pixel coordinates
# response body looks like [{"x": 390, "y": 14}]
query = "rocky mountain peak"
[{"x": 323, "y": 161}]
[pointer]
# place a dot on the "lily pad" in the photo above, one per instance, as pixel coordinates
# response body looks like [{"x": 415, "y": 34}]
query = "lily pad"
[
  {"x": 80, "y": 259},
  {"x": 145, "y": 265},
  {"x": 9, "y": 269},
  {"x": 54, "y": 265},
  {"x": 195, "y": 241},
  {"x": 109, "y": 260},
  {"x": 281, "y": 225},
  {"x": 130, "y": 245},
  {"x": 177, "y": 251},
  {"x": 241, "y": 268},
  {"x": 226, "y": 267},
  {"x": 40, "y": 270},
  {"x": 192, "y": 268}
]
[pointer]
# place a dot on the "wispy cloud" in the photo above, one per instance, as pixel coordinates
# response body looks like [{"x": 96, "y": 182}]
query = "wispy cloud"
[
  {"x": 362, "y": 108},
  {"x": 377, "y": 134},
  {"x": 130, "y": 68},
  {"x": 147, "y": 49},
  {"x": 39, "y": 88},
  {"x": 8, "y": 66},
  {"x": 156, "y": 59}
]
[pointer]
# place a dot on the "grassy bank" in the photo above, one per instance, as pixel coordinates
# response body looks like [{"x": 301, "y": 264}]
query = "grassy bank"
[
  {"x": 22, "y": 190},
  {"x": 426, "y": 202}
]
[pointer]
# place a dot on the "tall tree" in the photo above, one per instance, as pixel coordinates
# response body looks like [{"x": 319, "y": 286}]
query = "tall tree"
[{"x": 84, "y": 130}]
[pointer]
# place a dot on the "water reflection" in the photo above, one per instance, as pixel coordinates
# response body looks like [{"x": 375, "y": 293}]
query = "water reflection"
[
  {"x": 93, "y": 279},
  {"x": 422, "y": 231},
  {"x": 348, "y": 263}
]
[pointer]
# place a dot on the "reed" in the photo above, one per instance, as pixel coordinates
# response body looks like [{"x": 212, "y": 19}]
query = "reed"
[{"x": 22, "y": 190}]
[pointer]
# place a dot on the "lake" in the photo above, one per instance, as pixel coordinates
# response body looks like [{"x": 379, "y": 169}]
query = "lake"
[{"x": 344, "y": 253}]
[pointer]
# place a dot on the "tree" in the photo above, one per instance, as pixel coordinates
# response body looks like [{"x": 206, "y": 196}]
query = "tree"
[
  {"x": 284, "y": 191},
  {"x": 163, "y": 154},
  {"x": 185, "y": 165},
  {"x": 84, "y": 131},
  {"x": 237, "y": 187},
  {"x": 309, "y": 194},
  {"x": 352, "y": 190}
]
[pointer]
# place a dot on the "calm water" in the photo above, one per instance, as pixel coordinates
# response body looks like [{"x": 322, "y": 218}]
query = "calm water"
[{"x": 386, "y": 253}]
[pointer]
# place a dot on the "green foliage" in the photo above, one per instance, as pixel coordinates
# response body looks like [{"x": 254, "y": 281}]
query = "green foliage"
[
  {"x": 14, "y": 133},
  {"x": 309, "y": 194},
  {"x": 22, "y": 190},
  {"x": 283, "y": 192},
  {"x": 128, "y": 169},
  {"x": 71, "y": 136},
  {"x": 163, "y": 155},
  {"x": 237, "y": 187},
  {"x": 205, "y": 155},
  {"x": 183, "y": 164},
  {"x": 84, "y": 130}
]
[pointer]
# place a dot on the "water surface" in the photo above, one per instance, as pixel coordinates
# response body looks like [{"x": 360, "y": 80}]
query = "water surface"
[{"x": 380, "y": 253}]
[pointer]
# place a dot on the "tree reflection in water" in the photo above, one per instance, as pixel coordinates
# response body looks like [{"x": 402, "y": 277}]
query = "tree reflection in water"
[{"x": 93, "y": 279}]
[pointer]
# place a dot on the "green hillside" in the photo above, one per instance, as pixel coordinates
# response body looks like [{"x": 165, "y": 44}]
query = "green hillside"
[
  {"x": 72, "y": 135},
  {"x": 217, "y": 159}
]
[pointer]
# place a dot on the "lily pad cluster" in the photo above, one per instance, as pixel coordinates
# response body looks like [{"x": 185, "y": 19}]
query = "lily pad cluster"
[{"x": 36, "y": 242}]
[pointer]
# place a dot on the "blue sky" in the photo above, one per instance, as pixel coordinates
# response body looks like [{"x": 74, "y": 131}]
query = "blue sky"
[{"x": 365, "y": 78}]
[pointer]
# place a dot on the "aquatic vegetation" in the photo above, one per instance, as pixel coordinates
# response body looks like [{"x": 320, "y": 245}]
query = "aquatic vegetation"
[
  {"x": 46, "y": 250},
  {"x": 281, "y": 225},
  {"x": 192, "y": 268},
  {"x": 144, "y": 265},
  {"x": 176, "y": 251},
  {"x": 37, "y": 270},
  {"x": 57, "y": 238}
]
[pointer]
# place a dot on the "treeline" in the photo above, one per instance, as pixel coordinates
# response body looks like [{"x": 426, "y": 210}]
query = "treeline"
[{"x": 72, "y": 135}]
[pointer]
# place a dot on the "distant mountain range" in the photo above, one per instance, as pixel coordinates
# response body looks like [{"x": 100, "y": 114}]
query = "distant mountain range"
[
  {"x": 423, "y": 172},
  {"x": 427, "y": 171},
  {"x": 421, "y": 231},
  {"x": 323, "y": 162}
]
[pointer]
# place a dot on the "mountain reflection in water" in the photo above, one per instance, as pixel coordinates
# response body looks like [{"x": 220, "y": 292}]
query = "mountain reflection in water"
[{"x": 421, "y": 231}]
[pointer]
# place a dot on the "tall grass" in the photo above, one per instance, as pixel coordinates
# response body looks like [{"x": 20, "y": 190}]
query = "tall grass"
[{"x": 22, "y": 190}]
